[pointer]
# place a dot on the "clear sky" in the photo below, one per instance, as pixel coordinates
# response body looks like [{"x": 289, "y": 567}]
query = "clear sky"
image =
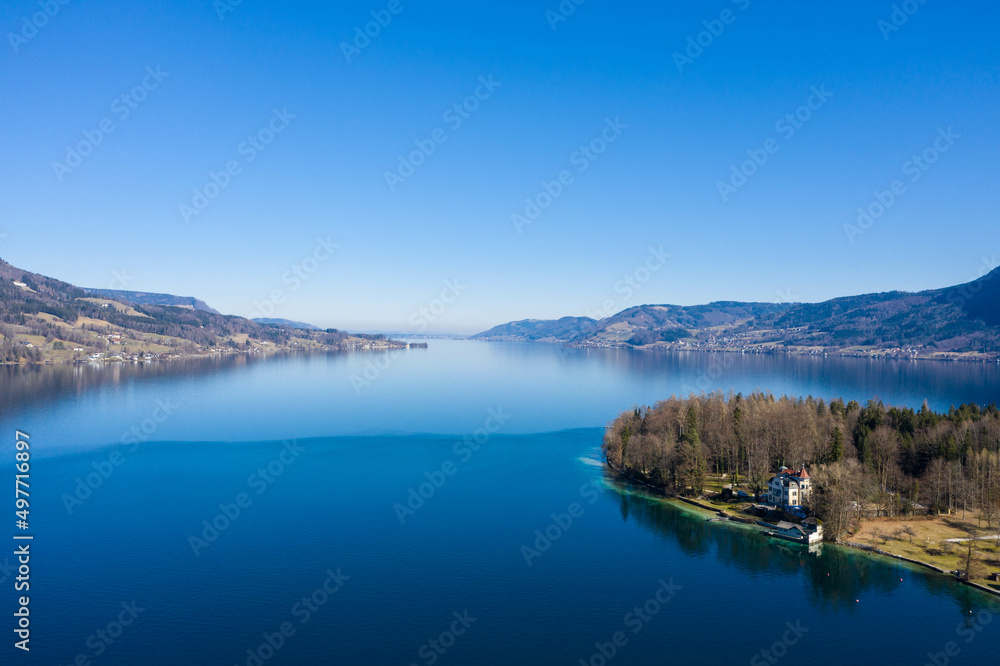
[{"x": 202, "y": 83}]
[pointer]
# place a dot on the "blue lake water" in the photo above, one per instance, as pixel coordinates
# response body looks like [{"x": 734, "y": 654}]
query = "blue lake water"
[{"x": 453, "y": 511}]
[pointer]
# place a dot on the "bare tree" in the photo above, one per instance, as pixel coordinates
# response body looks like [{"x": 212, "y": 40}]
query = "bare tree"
[
  {"x": 836, "y": 487},
  {"x": 884, "y": 443},
  {"x": 973, "y": 566}
]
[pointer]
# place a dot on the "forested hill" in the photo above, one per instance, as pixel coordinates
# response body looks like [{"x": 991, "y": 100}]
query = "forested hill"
[
  {"x": 873, "y": 457},
  {"x": 540, "y": 330},
  {"x": 144, "y": 298},
  {"x": 44, "y": 319},
  {"x": 955, "y": 322}
]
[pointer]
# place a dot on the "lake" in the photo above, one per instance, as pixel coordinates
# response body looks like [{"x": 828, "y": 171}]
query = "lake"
[{"x": 438, "y": 506}]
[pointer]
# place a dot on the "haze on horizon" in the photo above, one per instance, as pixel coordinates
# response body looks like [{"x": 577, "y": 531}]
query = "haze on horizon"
[{"x": 359, "y": 176}]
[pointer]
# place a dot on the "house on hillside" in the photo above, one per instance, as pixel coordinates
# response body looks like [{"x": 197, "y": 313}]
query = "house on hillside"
[{"x": 789, "y": 488}]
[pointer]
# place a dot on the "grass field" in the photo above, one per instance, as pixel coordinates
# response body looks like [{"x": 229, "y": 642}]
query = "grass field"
[{"x": 929, "y": 543}]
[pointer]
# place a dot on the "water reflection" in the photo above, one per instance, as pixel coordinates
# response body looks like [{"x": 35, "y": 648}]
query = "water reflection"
[
  {"x": 436, "y": 389},
  {"x": 942, "y": 383},
  {"x": 22, "y": 385},
  {"x": 837, "y": 576}
]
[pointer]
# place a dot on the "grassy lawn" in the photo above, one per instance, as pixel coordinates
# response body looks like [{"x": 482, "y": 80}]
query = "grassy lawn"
[
  {"x": 929, "y": 543},
  {"x": 120, "y": 307},
  {"x": 714, "y": 485}
]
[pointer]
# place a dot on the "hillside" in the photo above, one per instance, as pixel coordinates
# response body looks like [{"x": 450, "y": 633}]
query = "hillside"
[
  {"x": 539, "y": 330},
  {"x": 44, "y": 319},
  {"x": 143, "y": 298},
  {"x": 289, "y": 323},
  {"x": 955, "y": 322}
]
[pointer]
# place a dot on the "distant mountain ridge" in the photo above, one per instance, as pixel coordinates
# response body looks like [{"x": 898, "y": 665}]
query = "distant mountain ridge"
[
  {"x": 43, "y": 319},
  {"x": 954, "y": 322},
  {"x": 539, "y": 330},
  {"x": 287, "y": 322},
  {"x": 146, "y": 298}
]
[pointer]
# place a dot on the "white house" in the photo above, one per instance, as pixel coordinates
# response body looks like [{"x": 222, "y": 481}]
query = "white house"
[
  {"x": 789, "y": 488},
  {"x": 808, "y": 532}
]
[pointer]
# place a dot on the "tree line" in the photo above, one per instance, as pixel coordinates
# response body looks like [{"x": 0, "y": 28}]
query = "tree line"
[{"x": 867, "y": 459}]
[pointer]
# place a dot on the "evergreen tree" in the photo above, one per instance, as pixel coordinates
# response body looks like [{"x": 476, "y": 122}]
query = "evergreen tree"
[
  {"x": 836, "y": 445},
  {"x": 693, "y": 465}
]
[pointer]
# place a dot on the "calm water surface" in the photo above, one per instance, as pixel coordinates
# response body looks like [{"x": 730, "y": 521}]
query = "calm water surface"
[
  {"x": 446, "y": 389},
  {"x": 519, "y": 531}
]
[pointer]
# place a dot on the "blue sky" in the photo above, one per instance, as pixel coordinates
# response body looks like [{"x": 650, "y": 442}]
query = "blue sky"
[{"x": 681, "y": 125}]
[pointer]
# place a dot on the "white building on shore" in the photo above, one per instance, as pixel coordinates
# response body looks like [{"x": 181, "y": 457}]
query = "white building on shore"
[{"x": 789, "y": 488}]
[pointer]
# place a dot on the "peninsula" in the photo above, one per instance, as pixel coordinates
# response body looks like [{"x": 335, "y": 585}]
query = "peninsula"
[{"x": 915, "y": 484}]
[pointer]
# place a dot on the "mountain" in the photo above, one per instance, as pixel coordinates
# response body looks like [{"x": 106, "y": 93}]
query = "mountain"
[
  {"x": 539, "y": 330},
  {"x": 287, "y": 322},
  {"x": 44, "y": 319},
  {"x": 955, "y": 322},
  {"x": 144, "y": 298}
]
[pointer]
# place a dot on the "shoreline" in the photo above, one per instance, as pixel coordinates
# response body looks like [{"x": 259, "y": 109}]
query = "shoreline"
[
  {"x": 166, "y": 358},
  {"x": 869, "y": 549},
  {"x": 776, "y": 352},
  {"x": 749, "y": 352}
]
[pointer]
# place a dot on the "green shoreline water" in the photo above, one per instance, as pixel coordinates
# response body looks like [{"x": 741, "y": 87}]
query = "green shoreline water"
[{"x": 694, "y": 509}]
